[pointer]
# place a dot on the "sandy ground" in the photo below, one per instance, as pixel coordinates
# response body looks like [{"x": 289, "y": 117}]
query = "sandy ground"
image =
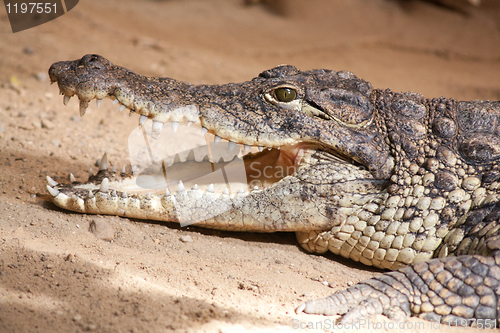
[{"x": 55, "y": 275}]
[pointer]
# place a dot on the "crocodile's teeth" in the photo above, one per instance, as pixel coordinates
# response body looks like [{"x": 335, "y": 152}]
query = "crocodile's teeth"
[
  {"x": 210, "y": 188},
  {"x": 175, "y": 125},
  {"x": 91, "y": 194},
  {"x": 217, "y": 139},
  {"x": 83, "y": 107},
  {"x": 226, "y": 191},
  {"x": 72, "y": 178},
  {"x": 124, "y": 194},
  {"x": 247, "y": 148},
  {"x": 113, "y": 169},
  {"x": 241, "y": 190},
  {"x": 66, "y": 100},
  {"x": 278, "y": 148},
  {"x": 148, "y": 196},
  {"x": 113, "y": 194},
  {"x": 121, "y": 108},
  {"x": 255, "y": 188},
  {"x": 180, "y": 187},
  {"x": 103, "y": 163},
  {"x": 203, "y": 131},
  {"x": 190, "y": 123},
  {"x": 53, "y": 192},
  {"x": 195, "y": 187},
  {"x": 157, "y": 126},
  {"x": 115, "y": 101},
  {"x": 261, "y": 148},
  {"x": 167, "y": 192},
  {"x": 221, "y": 160},
  {"x": 51, "y": 181},
  {"x": 177, "y": 159},
  {"x": 206, "y": 159},
  {"x": 98, "y": 102},
  {"x": 190, "y": 156},
  {"x": 123, "y": 169},
  {"x": 91, "y": 173},
  {"x": 142, "y": 120},
  {"x": 232, "y": 145},
  {"x": 104, "y": 185}
]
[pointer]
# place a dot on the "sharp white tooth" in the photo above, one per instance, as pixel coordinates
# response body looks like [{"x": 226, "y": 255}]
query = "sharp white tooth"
[
  {"x": 103, "y": 163},
  {"x": 261, "y": 148},
  {"x": 206, "y": 159},
  {"x": 167, "y": 192},
  {"x": 51, "y": 181},
  {"x": 113, "y": 194},
  {"x": 113, "y": 169},
  {"x": 53, "y": 192},
  {"x": 279, "y": 148},
  {"x": 247, "y": 148},
  {"x": 255, "y": 188},
  {"x": 121, "y": 108},
  {"x": 91, "y": 173},
  {"x": 241, "y": 190},
  {"x": 195, "y": 187},
  {"x": 148, "y": 196},
  {"x": 226, "y": 191},
  {"x": 189, "y": 123},
  {"x": 177, "y": 159},
  {"x": 180, "y": 187},
  {"x": 142, "y": 120},
  {"x": 217, "y": 139},
  {"x": 175, "y": 125},
  {"x": 104, "y": 185},
  {"x": 269, "y": 148},
  {"x": 91, "y": 194},
  {"x": 124, "y": 194},
  {"x": 115, "y": 101},
  {"x": 72, "y": 178},
  {"x": 123, "y": 169},
  {"x": 232, "y": 145},
  {"x": 83, "y": 107},
  {"x": 203, "y": 131},
  {"x": 190, "y": 156},
  {"x": 134, "y": 168},
  {"x": 66, "y": 100},
  {"x": 157, "y": 126},
  {"x": 98, "y": 102},
  {"x": 221, "y": 160},
  {"x": 210, "y": 188}
]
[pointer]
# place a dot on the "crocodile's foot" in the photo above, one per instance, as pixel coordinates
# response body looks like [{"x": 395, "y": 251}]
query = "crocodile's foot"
[{"x": 455, "y": 290}]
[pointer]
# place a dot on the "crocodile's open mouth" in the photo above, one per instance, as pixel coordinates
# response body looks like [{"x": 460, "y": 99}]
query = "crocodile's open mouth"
[{"x": 216, "y": 167}]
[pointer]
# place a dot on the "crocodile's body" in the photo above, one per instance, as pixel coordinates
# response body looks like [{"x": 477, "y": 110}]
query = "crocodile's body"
[{"x": 388, "y": 179}]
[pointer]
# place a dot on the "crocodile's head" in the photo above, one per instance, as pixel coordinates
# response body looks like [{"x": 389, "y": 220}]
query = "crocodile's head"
[{"x": 315, "y": 124}]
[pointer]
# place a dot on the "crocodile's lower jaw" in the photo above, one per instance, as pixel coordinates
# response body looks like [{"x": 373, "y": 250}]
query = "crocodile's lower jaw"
[{"x": 152, "y": 194}]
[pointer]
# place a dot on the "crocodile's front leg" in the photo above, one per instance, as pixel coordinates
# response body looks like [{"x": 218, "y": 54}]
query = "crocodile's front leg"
[{"x": 454, "y": 290}]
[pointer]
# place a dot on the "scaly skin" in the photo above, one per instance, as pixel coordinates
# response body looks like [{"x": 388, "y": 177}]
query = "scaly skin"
[{"x": 388, "y": 179}]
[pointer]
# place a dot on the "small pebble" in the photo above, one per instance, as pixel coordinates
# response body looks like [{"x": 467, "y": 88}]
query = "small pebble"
[
  {"x": 101, "y": 229},
  {"x": 47, "y": 124},
  {"x": 186, "y": 239},
  {"x": 41, "y": 76}
]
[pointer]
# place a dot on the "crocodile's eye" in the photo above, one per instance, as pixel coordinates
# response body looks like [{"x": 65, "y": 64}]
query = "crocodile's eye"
[{"x": 285, "y": 94}]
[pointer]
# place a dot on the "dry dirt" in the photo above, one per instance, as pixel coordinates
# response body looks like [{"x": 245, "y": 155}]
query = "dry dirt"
[{"x": 55, "y": 275}]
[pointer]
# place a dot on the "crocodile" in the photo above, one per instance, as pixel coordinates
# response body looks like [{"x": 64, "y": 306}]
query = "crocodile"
[{"x": 390, "y": 179}]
